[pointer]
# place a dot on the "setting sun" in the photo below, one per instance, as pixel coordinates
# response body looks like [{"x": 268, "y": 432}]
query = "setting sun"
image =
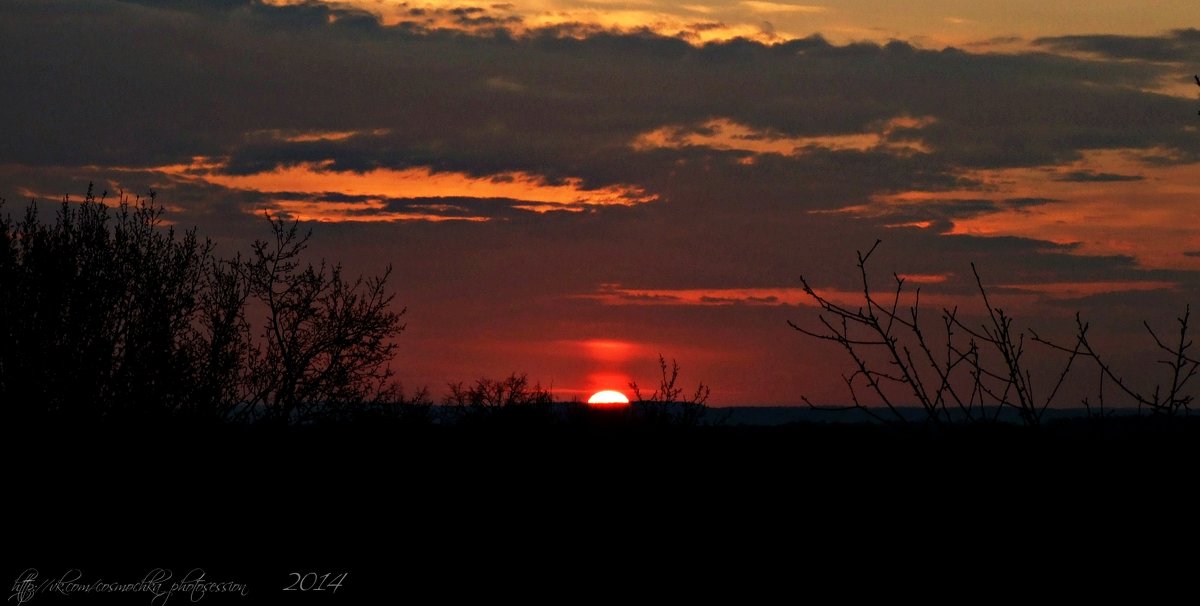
[{"x": 608, "y": 397}]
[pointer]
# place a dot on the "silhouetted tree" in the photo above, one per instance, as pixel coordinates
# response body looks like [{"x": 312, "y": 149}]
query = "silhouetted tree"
[
  {"x": 106, "y": 313},
  {"x": 325, "y": 340},
  {"x": 97, "y": 311},
  {"x": 225, "y": 351}
]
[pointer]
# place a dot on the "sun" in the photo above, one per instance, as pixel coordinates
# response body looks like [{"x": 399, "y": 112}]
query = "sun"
[{"x": 608, "y": 397}]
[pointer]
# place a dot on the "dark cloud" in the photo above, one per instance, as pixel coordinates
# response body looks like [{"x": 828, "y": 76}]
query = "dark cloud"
[
  {"x": 1089, "y": 176},
  {"x": 1181, "y": 45},
  {"x": 998, "y": 40},
  {"x": 446, "y": 207},
  {"x": 180, "y": 83},
  {"x": 200, "y": 79},
  {"x": 935, "y": 210},
  {"x": 1022, "y": 203},
  {"x": 940, "y": 214}
]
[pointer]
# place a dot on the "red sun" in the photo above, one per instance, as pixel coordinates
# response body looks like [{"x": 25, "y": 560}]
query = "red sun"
[{"x": 608, "y": 397}]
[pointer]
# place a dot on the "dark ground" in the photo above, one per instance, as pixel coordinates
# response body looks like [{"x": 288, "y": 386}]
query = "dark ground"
[{"x": 611, "y": 511}]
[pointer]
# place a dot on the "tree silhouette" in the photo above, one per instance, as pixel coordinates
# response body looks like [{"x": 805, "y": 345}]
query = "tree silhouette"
[
  {"x": 96, "y": 311},
  {"x": 108, "y": 314},
  {"x": 895, "y": 357},
  {"x": 325, "y": 340}
]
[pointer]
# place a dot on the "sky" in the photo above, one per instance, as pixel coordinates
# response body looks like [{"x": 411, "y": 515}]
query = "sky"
[{"x": 569, "y": 188}]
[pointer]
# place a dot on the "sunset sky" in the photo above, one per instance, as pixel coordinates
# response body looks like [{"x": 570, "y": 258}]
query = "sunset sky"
[{"x": 568, "y": 188}]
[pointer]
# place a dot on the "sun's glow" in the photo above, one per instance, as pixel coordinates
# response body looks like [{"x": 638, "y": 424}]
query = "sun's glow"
[{"x": 608, "y": 397}]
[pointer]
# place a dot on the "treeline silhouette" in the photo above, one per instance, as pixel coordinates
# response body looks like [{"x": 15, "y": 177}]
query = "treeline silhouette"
[{"x": 109, "y": 314}]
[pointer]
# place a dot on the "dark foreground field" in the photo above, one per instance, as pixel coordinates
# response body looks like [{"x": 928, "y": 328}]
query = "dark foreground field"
[{"x": 465, "y": 513}]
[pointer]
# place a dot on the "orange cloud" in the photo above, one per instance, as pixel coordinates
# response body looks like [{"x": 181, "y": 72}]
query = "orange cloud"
[
  {"x": 760, "y": 6},
  {"x": 379, "y": 185},
  {"x": 725, "y": 134},
  {"x": 987, "y": 24},
  {"x": 1109, "y": 202},
  {"x": 1103, "y": 208},
  {"x": 742, "y": 20}
]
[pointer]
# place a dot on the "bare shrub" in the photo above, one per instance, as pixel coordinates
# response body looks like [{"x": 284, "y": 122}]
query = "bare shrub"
[
  {"x": 1173, "y": 400},
  {"x": 666, "y": 404},
  {"x": 950, "y": 379},
  {"x": 511, "y": 398}
]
